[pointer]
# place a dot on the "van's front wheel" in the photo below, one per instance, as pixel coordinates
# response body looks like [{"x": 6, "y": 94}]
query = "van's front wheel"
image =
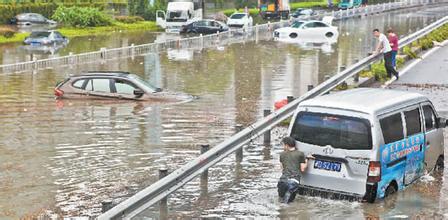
[
  {"x": 390, "y": 190},
  {"x": 440, "y": 165}
]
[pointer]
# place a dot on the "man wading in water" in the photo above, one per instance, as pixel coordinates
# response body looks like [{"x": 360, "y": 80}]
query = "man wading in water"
[{"x": 293, "y": 164}]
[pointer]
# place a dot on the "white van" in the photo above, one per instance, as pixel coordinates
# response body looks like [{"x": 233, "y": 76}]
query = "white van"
[{"x": 367, "y": 143}]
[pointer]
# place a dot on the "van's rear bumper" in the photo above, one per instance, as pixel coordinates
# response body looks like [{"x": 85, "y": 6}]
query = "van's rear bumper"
[{"x": 339, "y": 195}]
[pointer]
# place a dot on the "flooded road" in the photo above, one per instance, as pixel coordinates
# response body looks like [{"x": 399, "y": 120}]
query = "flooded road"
[{"x": 68, "y": 156}]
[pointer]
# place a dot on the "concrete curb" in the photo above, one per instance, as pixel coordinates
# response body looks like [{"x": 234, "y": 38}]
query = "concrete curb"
[{"x": 416, "y": 61}]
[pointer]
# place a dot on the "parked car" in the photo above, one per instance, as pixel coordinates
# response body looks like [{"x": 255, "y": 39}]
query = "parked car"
[
  {"x": 240, "y": 20},
  {"x": 346, "y": 4},
  {"x": 206, "y": 26},
  {"x": 303, "y": 13},
  {"x": 312, "y": 28},
  {"x": 112, "y": 85},
  {"x": 31, "y": 18},
  {"x": 38, "y": 38},
  {"x": 367, "y": 143}
]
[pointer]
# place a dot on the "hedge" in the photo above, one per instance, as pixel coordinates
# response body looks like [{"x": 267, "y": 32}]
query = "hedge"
[{"x": 8, "y": 11}]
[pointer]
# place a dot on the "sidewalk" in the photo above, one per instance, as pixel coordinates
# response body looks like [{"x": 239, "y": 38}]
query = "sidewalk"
[
  {"x": 431, "y": 70},
  {"x": 428, "y": 77}
]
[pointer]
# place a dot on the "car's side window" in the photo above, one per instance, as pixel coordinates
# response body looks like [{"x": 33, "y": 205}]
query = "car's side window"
[
  {"x": 413, "y": 125},
  {"x": 78, "y": 84},
  {"x": 101, "y": 85},
  {"x": 124, "y": 87},
  {"x": 430, "y": 117},
  {"x": 392, "y": 127},
  {"x": 320, "y": 24},
  {"x": 310, "y": 25}
]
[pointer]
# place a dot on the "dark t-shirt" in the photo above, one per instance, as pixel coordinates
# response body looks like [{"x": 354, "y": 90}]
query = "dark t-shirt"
[{"x": 291, "y": 161}]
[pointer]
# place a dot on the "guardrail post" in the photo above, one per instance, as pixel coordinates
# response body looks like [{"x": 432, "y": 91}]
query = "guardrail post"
[
  {"x": 356, "y": 78},
  {"x": 201, "y": 37},
  {"x": 204, "y": 174},
  {"x": 290, "y": 98},
  {"x": 163, "y": 204},
  {"x": 34, "y": 63},
  {"x": 103, "y": 53},
  {"x": 132, "y": 51},
  {"x": 106, "y": 205},
  {"x": 370, "y": 65},
  {"x": 256, "y": 33},
  {"x": 239, "y": 152},
  {"x": 267, "y": 134},
  {"x": 310, "y": 87}
]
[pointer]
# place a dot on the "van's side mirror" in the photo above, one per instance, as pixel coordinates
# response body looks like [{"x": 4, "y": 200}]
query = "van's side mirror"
[
  {"x": 158, "y": 89},
  {"x": 138, "y": 93},
  {"x": 441, "y": 122}
]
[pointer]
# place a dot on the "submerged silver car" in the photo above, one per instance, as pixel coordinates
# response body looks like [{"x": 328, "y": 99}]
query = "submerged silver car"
[
  {"x": 113, "y": 85},
  {"x": 367, "y": 143},
  {"x": 31, "y": 18}
]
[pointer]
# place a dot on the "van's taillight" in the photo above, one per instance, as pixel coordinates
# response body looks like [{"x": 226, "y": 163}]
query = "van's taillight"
[
  {"x": 374, "y": 173},
  {"x": 58, "y": 92}
]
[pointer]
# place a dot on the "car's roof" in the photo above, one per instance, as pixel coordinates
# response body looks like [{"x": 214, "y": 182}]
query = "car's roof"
[
  {"x": 104, "y": 73},
  {"x": 240, "y": 13},
  {"x": 367, "y": 100}
]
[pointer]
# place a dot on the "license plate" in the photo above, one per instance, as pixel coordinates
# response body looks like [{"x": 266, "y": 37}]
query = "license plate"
[
  {"x": 35, "y": 44},
  {"x": 327, "y": 165}
]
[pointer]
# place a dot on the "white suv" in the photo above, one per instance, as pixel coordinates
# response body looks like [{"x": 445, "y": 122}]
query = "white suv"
[{"x": 240, "y": 20}]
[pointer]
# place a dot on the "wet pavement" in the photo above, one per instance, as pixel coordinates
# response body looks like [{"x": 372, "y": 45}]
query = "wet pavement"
[{"x": 69, "y": 156}]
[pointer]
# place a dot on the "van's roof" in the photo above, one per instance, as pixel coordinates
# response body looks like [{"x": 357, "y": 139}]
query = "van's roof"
[{"x": 370, "y": 101}]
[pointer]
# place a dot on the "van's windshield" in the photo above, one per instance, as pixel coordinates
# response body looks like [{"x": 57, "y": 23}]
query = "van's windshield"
[{"x": 337, "y": 131}]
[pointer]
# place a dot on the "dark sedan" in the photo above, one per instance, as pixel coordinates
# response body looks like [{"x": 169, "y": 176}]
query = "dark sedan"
[{"x": 204, "y": 27}]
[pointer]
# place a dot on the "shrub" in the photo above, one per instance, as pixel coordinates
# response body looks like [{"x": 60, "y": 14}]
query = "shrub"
[
  {"x": 81, "y": 17},
  {"x": 7, "y": 32},
  {"x": 379, "y": 71},
  {"x": 129, "y": 19}
]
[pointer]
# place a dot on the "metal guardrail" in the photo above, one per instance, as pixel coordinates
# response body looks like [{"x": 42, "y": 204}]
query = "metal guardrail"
[
  {"x": 258, "y": 32},
  {"x": 159, "y": 190}
]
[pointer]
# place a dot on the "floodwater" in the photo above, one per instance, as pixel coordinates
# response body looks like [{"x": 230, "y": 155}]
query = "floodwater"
[{"x": 66, "y": 157}]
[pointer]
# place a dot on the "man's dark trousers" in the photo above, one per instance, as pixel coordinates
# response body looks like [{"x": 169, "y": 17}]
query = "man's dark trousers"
[{"x": 388, "y": 64}]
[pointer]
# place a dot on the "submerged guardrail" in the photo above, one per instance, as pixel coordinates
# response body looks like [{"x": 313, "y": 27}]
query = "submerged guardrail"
[
  {"x": 255, "y": 33},
  {"x": 169, "y": 184}
]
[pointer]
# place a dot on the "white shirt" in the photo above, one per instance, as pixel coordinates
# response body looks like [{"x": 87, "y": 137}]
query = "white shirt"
[{"x": 385, "y": 43}]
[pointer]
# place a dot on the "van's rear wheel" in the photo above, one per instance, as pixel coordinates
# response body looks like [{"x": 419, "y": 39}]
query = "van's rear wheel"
[
  {"x": 390, "y": 190},
  {"x": 440, "y": 164}
]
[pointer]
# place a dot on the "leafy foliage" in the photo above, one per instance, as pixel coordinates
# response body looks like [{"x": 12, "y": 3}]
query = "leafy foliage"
[
  {"x": 7, "y": 32},
  {"x": 8, "y": 11},
  {"x": 129, "y": 19},
  {"x": 81, "y": 17}
]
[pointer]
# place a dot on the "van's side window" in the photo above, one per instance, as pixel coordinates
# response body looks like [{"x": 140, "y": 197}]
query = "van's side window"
[
  {"x": 413, "y": 125},
  {"x": 430, "y": 117},
  {"x": 392, "y": 127}
]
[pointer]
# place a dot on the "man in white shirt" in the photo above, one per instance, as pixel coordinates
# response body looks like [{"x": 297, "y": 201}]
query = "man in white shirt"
[{"x": 384, "y": 46}]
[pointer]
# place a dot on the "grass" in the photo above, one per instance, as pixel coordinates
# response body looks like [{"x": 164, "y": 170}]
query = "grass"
[{"x": 79, "y": 32}]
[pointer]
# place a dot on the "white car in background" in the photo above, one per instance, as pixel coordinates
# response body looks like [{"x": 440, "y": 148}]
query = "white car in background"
[
  {"x": 313, "y": 30},
  {"x": 240, "y": 20}
]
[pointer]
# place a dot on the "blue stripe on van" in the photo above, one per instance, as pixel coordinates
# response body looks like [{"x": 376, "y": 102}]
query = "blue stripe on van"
[{"x": 402, "y": 161}]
